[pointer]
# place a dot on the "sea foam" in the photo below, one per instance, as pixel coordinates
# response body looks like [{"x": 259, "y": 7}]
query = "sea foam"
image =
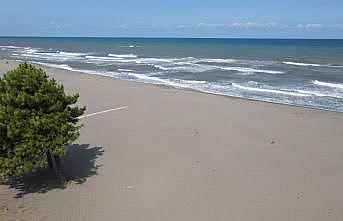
[
  {"x": 250, "y": 70},
  {"x": 327, "y": 84},
  {"x": 319, "y": 94},
  {"x": 264, "y": 90},
  {"x": 301, "y": 64},
  {"x": 58, "y": 66},
  {"x": 123, "y": 55}
]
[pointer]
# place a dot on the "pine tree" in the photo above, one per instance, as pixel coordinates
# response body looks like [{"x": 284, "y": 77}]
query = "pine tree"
[{"x": 37, "y": 120}]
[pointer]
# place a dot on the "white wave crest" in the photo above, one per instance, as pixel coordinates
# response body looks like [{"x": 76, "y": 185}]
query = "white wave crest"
[
  {"x": 59, "y": 66},
  {"x": 128, "y": 46},
  {"x": 193, "y": 68},
  {"x": 250, "y": 70},
  {"x": 37, "y": 54},
  {"x": 301, "y": 64},
  {"x": 103, "y": 58},
  {"x": 154, "y": 60},
  {"x": 155, "y": 80},
  {"x": 319, "y": 94},
  {"x": 123, "y": 55},
  {"x": 192, "y": 81},
  {"x": 327, "y": 84},
  {"x": 67, "y": 67},
  {"x": 216, "y": 60},
  {"x": 71, "y": 54},
  {"x": 10, "y": 47},
  {"x": 125, "y": 70},
  {"x": 264, "y": 90},
  {"x": 31, "y": 50},
  {"x": 169, "y": 82}
]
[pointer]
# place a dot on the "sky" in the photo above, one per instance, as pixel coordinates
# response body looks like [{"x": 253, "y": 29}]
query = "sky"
[{"x": 173, "y": 18}]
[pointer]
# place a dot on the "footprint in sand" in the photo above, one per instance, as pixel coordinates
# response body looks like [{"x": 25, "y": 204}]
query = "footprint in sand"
[{"x": 196, "y": 133}]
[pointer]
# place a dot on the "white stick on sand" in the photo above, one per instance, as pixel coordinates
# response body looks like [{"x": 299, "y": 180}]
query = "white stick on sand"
[{"x": 105, "y": 111}]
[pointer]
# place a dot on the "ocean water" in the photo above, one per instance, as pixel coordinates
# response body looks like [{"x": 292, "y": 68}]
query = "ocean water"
[{"x": 306, "y": 73}]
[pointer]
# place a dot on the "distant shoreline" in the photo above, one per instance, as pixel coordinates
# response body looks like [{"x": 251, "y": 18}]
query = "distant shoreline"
[{"x": 152, "y": 37}]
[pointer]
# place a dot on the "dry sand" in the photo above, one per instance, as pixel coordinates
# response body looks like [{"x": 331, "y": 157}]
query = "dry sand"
[{"x": 178, "y": 155}]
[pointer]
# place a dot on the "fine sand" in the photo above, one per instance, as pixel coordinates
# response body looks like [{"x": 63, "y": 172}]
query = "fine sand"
[{"x": 176, "y": 155}]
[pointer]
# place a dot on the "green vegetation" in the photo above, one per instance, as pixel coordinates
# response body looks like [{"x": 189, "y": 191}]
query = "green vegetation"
[{"x": 37, "y": 121}]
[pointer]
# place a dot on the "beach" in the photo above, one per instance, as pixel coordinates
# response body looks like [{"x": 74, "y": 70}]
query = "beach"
[{"x": 174, "y": 154}]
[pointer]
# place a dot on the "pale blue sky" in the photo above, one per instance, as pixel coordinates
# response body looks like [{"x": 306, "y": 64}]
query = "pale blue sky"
[{"x": 175, "y": 18}]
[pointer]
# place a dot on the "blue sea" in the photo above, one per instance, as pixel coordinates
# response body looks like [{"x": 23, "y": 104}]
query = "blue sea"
[{"x": 306, "y": 73}]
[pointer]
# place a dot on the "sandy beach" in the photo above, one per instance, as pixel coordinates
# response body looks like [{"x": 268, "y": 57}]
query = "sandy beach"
[{"x": 177, "y": 155}]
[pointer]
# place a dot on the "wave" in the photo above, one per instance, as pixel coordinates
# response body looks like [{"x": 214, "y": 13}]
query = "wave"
[
  {"x": 60, "y": 55},
  {"x": 123, "y": 55},
  {"x": 185, "y": 64},
  {"x": 156, "y": 80},
  {"x": 102, "y": 58},
  {"x": 187, "y": 83},
  {"x": 128, "y": 46},
  {"x": 301, "y": 64},
  {"x": 169, "y": 82},
  {"x": 292, "y": 92},
  {"x": 125, "y": 70},
  {"x": 31, "y": 50},
  {"x": 59, "y": 66},
  {"x": 48, "y": 56},
  {"x": 193, "y": 68},
  {"x": 264, "y": 90},
  {"x": 72, "y": 54},
  {"x": 216, "y": 60},
  {"x": 335, "y": 66},
  {"x": 220, "y": 88},
  {"x": 154, "y": 60},
  {"x": 250, "y": 70},
  {"x": 10, "y": 47},
  {"x": 327, "y": 84},
  {"x": 67, "y": 67},
  {"x": 319, "y": 94},
  {"x": 193, "y": 81},
  {"x": 181, "y": 64},
  {"x": 37, "y": 54}
]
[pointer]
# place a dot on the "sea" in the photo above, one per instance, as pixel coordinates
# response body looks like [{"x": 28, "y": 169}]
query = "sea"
[{"x": 306, "y": 73}]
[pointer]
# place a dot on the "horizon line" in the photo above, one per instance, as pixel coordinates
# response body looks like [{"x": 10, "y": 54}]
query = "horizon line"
[{"x": 145, "y": 37}]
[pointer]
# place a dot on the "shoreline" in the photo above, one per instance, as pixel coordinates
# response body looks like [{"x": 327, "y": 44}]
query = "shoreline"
[
  {"x": 183, "y": 155},
  {"x": 179, "y": 88}
]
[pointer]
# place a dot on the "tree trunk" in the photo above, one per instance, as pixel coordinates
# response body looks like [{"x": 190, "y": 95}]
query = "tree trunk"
[
  {"x": 59, "y": 170},
  {"x": 50, "y": 160},
  {"x": 55, "y": 165}
]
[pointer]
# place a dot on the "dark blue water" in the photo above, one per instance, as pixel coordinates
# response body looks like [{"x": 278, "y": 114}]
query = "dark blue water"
[{"x": 305, "y": 73}]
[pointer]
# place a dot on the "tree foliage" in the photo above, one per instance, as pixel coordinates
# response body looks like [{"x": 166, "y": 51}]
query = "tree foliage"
[{"x": 35, "y": 116}]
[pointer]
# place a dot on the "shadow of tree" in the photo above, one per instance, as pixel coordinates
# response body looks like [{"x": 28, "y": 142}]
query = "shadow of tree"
[{"x": 79, "y": 164}]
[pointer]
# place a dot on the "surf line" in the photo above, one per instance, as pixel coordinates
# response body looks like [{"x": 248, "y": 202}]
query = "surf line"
[{"x": 102, "y": 112}]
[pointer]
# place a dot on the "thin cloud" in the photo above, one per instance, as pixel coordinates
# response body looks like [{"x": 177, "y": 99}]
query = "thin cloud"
[
  {"x": 58, "y": 25},
  {"x": 319, "y": 26},
  {"x": 183, "y": 26},
  {"x": 314, "y": 26},
  {"x": 248, "y": 25},
  {"x": 337, "y": 26},
  {"x": 209, "y": 25}
]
